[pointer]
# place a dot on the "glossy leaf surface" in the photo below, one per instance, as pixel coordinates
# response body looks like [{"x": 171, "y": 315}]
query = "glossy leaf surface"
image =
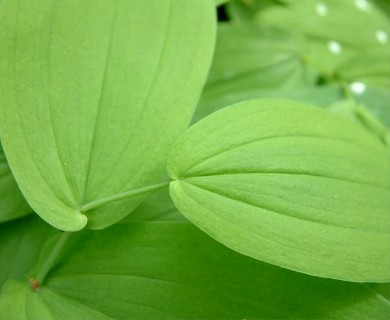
[
  {"x": 94, "y": 106},
  {"x": 174, "y": 271},
  {"x": 289, "y": 184}
]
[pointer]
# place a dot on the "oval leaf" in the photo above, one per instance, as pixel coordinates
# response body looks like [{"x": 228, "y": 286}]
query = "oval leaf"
[
  {"x": 289, "y": 184},
  {"x": 94, "y": 93},
  {"x": 174, "y": 271}
]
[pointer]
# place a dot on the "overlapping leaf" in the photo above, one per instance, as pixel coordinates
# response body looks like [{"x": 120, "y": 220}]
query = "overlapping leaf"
[
  {"x": 12, "y": 203},
  {"x": 174, "y": 271},
  {"x": 93, "y": 95},
  {"x": 339, "y": 33},
  {"x": 21, "y": 242},
  {"x": 340, "y": 36},
  {"x": 253, "y": 62},
  {"x": 377, "y": 99},
  {"x": 289, "y": 184}
]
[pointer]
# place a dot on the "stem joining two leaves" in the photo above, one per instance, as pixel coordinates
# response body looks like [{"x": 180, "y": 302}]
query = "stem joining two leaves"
[{"x": 120, "y": 196}]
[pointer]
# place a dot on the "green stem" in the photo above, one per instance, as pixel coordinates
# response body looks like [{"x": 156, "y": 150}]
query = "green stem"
[
  {"x": 346, "y": 91},
  {"x": 120, "y": 196},
  {"x": 51, "y": 258}
]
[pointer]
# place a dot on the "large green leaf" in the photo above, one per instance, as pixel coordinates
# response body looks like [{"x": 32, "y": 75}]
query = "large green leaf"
[
  {"x": 289, "y": 184},
  {"x": 174, "y": 271},
  {"x": 12, "y": 203},
  {"x": 94, "y": 93}
]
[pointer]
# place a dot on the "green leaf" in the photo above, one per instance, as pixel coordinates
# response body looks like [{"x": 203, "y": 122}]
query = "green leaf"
[
  {"x": 216, "y": 97},
  {"x": 253, "y": 63},
  {"x": 370, "y": 68},
  {"x": 289, "y": 184},
  {"x": 336, "y": 33},
  {"x": 382, "y": 288},
  {"x": 158, "y": 206},
  {"x": 377, "y": 100},
  {"x": 255, "y": 58},
  {"x": 21, "y": 241},
  {"x": 361, "y": 115},
  {"x": 94, "y": 106},
  {"x": 12, "y": 203},
  {"x": 339, "y": 20},
  {"x": 220, "y": 2},
  {"x": 174, "y": 271}
]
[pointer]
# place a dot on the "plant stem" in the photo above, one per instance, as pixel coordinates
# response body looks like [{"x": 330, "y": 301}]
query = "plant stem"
[
  {"x": 52, "y": 257},
  {"x": 346, "y": 91},
  {"x": 100, "y": 202}
]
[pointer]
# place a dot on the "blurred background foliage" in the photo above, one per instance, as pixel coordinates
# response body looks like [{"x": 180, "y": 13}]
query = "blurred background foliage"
[{"x": 319, "y": 52}]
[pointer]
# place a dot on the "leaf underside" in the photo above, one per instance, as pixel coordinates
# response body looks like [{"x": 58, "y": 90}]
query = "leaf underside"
[
  {"x": 94, "y": 106},
  {"x": 289, "y": 184}
]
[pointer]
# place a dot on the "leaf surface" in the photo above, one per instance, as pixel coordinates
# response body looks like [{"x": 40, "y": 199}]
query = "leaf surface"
[
  {"x": 289, "y": 184},
  {"x": 12, "y": 203},
  {"x": 174, "y": 271},
  {"x": 158, "y": 206},
  {"x": 94, "y": 93},
  {"x": 344, "y": 37},
  {"x": 21, "y": 242}
]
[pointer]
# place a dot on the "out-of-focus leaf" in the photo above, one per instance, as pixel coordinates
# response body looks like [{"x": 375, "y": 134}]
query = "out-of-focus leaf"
[
  {"x": 338, "y": 33},
  {"x": 12, "y": 203},
  {"x": 384, "y": 5},
  {"x": 244, "y": 11},
  {"x": 370, "y": 68},
  {"x": 377, "y": 100},
  {"x": 351, "y": 110},
  {"x": 256, "y": 58},
  {"x": 352, "y": 23},
  {"x": 289, "y": 184},
  {"x": 254, "y": 63},
  {"x": 90, "y": 109},
  {"x": 383, "y": 289},
  {"x": 174, "y": 271},
  {"x": 217, "y": 97},
  {"x": 220, "y": 2}
]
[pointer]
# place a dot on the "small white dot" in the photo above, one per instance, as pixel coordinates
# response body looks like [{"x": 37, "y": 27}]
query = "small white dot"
[
  {"x": 362, "y": 5},
  {"x": 381, "y": 36},
  {"x": 334, "y": 47},
  {"x": 358, "y": 87},
  {"x": 321, "y": 9}
]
